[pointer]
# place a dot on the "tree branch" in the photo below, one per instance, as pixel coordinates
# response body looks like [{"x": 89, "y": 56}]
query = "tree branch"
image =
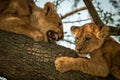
[
  {"x": 93, "y": 13},
  {"x": 21, "y": 58},
  {"x": 115, "y": 31},
  {"x": 76, "y": 21},
  {"x": 72, "y": 12}
]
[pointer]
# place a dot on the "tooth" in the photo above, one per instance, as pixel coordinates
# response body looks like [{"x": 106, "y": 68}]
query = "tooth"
[{"x": 56, "y": 37}]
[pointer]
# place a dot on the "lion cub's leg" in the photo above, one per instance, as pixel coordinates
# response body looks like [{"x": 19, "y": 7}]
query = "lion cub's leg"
[
  {"x": 20, "y": 25},
  {"x": 115, "y": 69},
  {"x": 93, "y": 67}
]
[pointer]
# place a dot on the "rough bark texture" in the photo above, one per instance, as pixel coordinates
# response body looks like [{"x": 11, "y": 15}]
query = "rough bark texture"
[{"x": 23, "y": 59}]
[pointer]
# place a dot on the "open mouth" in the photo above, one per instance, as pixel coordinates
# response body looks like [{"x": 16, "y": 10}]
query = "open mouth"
[{"x": 52, "y": 36}]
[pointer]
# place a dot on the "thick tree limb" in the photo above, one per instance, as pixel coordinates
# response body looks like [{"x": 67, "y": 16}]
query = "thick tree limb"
[
  {"x": 74, "y": 11},
  {"x": 23, "y": 59}
]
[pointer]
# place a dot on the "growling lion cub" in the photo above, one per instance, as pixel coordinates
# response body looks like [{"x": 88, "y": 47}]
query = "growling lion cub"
[
  {"x": 104, "y": 52},
  {"x": 24, "y": 17}
]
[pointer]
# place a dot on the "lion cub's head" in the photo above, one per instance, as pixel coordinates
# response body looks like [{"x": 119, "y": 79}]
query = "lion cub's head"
[
  {"x": 48, "y": 22},
  {"x": 89, "y": 37}
]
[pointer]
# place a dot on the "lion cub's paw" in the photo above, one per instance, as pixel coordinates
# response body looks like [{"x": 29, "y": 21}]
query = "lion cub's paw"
[
  {"x": 37, "y": 36},
  {"x": 62, "y": 64}
]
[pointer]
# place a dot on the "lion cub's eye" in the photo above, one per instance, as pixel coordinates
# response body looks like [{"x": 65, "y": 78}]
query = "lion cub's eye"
[
  {"x": 60, "y": 24},
  {"x": 87, "y": 39}
]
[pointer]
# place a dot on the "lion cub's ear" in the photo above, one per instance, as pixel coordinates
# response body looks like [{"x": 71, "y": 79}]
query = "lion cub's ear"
[
  {"x": 104, "y": 31},
  {"x": 49, "y": 8},
  {"x": 74, "y": 30}
]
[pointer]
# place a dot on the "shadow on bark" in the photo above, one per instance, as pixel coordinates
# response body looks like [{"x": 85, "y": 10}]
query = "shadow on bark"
[{"x": 21, "y": 58}]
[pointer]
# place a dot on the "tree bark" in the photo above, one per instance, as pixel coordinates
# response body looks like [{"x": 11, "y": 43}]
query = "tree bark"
[
  {"x": 93, "y": 13},
  {"x": 21, "y": 58},
  {"x": 114, "y": 30}
]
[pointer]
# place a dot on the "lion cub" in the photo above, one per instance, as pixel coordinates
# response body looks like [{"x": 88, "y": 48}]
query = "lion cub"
[
  {"x": 24, "y": 17},
  {"x": 104, "y": 52}
]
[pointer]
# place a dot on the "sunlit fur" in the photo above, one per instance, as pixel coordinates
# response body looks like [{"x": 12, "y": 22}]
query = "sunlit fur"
[
  {"x": 24, "y": 17},
  {"x": 104, "y": 52}
]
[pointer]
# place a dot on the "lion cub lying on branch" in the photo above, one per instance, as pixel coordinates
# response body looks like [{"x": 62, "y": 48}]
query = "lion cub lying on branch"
[
  {"x": 104, "y": 52},
  {"x": 24, "y": 17}
]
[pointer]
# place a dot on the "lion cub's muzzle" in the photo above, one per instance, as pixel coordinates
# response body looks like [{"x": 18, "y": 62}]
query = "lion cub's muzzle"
[
  {"x": 81, "y": 52},
  {"x": 52, "y": 35}
]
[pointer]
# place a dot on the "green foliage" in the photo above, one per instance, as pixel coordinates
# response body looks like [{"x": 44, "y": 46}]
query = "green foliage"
[
  {"x": 57, "y": 3},
  {"x": 107, "y": 17},
  {"x": 115, "y": 3}
]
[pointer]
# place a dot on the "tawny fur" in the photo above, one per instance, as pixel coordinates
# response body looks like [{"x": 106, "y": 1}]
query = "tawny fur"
[
  {"x": 24, "y": 17},
  {"x": 104, "y": 52}
]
